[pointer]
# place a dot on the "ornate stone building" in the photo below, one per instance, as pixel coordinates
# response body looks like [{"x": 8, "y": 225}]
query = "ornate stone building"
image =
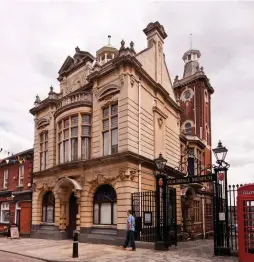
[{"x": 95, "y": 141}]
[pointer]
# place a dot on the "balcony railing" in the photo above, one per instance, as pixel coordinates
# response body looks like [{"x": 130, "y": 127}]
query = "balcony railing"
[{"x": 73, "y": 100}]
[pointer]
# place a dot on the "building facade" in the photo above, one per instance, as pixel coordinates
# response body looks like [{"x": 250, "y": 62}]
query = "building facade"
[
  {"x": 16, "y": 191},
  {"x": 95, "y": 140},
  {"x": 193, "y": 93}
]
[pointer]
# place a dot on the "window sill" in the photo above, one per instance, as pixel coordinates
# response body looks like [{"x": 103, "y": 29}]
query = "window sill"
[
  {"x": 47, "y": 224},
  {"x": 105, "y": 226},
  {"x": 6, "y": 223},
  {"x": 197, "y": 223},
  {"x": 20, "y": 186},
  {"x": 4, "y": 189}
]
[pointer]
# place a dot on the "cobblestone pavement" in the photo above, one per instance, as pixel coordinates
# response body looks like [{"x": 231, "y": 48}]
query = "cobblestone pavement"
[
  {"x": 49, "y": 250},
  {"x": 7, "y": 257}
]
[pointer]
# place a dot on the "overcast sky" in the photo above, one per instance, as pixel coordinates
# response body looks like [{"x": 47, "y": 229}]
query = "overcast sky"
[{"x": 37, "y": 36}]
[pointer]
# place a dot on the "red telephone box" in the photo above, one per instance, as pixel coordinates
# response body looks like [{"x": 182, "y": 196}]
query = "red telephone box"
[{"x": 245, "y": 214}]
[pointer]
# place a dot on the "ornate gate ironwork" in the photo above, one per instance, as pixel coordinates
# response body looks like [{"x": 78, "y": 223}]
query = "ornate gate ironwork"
[{"x": 148, "y": 209}]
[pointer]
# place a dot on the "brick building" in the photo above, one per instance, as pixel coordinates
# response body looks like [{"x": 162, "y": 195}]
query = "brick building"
[
  {"x": 96, "y": 140},
  {"x": 16, "y": 191}
]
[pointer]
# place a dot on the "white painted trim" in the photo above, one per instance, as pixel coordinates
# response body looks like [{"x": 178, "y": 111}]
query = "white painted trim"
[{"x": 17, "y": 208}]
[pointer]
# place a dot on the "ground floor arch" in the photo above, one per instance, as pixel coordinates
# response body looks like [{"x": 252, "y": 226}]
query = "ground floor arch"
[{"x": 105, "y": 205}]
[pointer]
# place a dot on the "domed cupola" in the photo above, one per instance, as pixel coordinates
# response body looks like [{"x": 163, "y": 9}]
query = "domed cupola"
[{"x": 106, "y": 53}]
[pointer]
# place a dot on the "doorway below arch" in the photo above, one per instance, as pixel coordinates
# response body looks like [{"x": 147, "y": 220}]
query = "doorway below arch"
[{"x": 73, "y": 211}]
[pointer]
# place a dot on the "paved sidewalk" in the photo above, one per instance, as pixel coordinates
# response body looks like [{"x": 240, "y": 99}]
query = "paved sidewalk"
[{"x": 50, "y": 250}]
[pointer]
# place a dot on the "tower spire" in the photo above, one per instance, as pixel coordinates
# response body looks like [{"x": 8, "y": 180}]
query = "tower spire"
[
  {"x": 109, "y": 36},
  {"x": 190, "y": 41}
]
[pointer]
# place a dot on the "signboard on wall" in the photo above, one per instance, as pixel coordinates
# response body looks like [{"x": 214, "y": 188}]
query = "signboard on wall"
[{"x": 14, "y": 232}]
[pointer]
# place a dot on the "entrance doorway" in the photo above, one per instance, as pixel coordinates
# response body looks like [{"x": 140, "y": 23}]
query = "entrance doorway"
[{"x": 73, "y": 211}]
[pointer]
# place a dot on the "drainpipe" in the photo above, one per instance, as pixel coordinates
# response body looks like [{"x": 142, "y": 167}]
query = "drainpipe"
[
  {"x": 195, "y": 111},
  {"x": 203, "y": 212},
  {"x": 139, "y": 135}
]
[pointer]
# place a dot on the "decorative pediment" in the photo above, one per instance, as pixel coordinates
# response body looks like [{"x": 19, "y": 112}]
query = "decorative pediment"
[
  {"x": 68, "y": 63},
  {"x": 108, "y": 91},
  {"x": 41, "y": 123}
]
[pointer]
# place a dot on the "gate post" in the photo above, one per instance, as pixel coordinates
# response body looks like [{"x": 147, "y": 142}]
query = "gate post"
[{"x": 221, "y": 229}]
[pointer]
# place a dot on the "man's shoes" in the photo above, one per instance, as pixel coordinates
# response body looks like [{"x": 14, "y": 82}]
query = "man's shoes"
[{"x": 122, "y": 247}]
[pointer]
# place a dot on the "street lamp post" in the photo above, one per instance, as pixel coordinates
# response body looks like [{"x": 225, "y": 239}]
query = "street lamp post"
[
  {"x": 161, "y": 241},
  {"x": 221, "y": 230}
]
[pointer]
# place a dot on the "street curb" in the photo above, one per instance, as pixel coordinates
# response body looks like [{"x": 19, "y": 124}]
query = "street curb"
[{"x": 42, "y": 259}]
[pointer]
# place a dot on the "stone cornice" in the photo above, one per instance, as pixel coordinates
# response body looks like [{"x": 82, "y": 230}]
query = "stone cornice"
[
  {"x": 192, "y": 79},
  {"x": 45, "y": 103},
  {"x": 115, "y": 158}
]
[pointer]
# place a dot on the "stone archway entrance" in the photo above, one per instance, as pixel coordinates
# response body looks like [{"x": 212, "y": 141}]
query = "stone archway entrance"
[{"x": 68, "y": 191}]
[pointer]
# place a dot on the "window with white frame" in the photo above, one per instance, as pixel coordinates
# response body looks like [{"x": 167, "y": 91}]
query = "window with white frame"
[
  {"x": 5, "y": 183},
  {"x": 43, "y": 150},
  {"x": 21, "y": 175},
  {"x": 5, "y": 208},
  {"x": 74, "y": 132},
  {"x": 110, "y": 130}
]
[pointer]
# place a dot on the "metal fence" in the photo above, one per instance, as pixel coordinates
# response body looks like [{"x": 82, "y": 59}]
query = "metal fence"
[{"x": 232, "y": 217}]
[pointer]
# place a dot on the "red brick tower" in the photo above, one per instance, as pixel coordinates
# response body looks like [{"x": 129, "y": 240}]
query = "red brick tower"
[{"x": 193, "y": 93}]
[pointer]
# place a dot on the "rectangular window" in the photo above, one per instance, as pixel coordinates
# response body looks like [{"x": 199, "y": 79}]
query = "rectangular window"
[
  {"x": 85, "y": 148},
  {"x": 43, "y": 150},
  {"x": 21, "y": 175},
  {"x": 66, "y": 151},
  {"x": 105, "y": 144},
  {"x": 196, "y": 209},
  {"x": 110, "y": 130},
  {"x": 5, "y": 182},
  {"x": 114, "y": 141},
  {"x": 74, "y": 149},
  {"x": 5, "y": 208},
  {"x": 60, "y": 153},
  {"x": 85, "y": 136}
]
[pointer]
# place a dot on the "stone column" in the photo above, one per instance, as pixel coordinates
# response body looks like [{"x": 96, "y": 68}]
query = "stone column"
[{"x": 78, "y": 196}]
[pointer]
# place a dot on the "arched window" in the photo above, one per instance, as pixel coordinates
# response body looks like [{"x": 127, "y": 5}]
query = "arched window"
[
  {"x": 105, "y": 206},
  {"x": 187, "y": 128},
  {"x": 48, "y": 208}
]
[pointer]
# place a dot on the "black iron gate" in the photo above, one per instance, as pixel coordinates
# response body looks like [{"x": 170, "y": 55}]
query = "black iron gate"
[{"x": 153, "y": 215}]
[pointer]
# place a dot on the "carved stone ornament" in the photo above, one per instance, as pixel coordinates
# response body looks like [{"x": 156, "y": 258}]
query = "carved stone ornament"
[
  {"x": 127, "y": 174},
  {"x": 132, "y": 80},
  {"x": 160, "y": 121},
  {"x": 101, "y": 179},
  {"x": 46, "y": 185},
  {"x": 160, "y": 47},
  {"x": 122, "y": 80}
]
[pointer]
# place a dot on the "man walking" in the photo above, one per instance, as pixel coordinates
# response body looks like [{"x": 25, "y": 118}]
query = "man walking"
[{"x": 130, "y": 231}]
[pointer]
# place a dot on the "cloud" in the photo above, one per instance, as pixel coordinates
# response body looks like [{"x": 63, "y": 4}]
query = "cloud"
[{"x": 37, "y": 36}]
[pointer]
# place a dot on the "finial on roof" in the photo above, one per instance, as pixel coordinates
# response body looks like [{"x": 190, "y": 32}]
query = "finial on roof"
[
  {"x": 122, "y": 45},
  {"x": 77, "y": 49},
  {"x": 191, "y": 41},
  {"x": 132, "y": 45},
  {"x": 51, "y": 88},
  {"x": 37, "y": 100},
  {"x": 109, "y": 37}
]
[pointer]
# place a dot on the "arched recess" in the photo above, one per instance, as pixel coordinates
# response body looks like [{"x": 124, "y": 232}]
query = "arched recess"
[
  {"x": 48, "y": 207},
  {"x": 105, "y": 205}
]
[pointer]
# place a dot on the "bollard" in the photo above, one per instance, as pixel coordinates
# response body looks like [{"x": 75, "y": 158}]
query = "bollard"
[{"x": 75, "y": 244}]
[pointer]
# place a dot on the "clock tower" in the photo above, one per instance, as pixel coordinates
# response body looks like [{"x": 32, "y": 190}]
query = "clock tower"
[{"x": 193, "y": 93}]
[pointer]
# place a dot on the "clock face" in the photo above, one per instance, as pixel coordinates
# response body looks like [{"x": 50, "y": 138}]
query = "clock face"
[{"x": 187, "y": 94}]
